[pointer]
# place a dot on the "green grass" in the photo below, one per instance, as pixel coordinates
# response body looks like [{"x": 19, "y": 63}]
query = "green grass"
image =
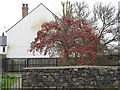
[{"x": 8, "y": 81}]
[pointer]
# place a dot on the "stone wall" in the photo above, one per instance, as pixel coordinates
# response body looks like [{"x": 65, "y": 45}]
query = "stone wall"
[{"x": 72, "y": 76}]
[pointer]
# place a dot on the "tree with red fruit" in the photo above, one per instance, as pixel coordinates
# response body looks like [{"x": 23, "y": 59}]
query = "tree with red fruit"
[{"x": 73, "y": 41}]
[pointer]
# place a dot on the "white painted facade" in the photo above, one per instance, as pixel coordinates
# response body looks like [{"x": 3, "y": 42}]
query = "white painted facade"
[
  {"x": 23, "y": 33},
  {"x": 3, "y": 48}
]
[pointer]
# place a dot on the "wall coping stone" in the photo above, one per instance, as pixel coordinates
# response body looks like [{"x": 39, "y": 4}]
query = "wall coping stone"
[{"x": 65, "y": 67}]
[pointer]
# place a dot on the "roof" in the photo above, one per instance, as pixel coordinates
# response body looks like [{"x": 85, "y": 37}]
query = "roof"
[
  {"x": 3, "y": 40},
  {"x": 28, "y": 15}
]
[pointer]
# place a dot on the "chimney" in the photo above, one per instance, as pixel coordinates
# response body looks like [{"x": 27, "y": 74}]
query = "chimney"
[
  {"x": 3, "y": 34},
  {"x": 24, "y": 10}
]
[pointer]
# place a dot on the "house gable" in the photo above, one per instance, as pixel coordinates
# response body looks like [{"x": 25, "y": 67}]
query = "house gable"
[{"x": 20, "y": 35}]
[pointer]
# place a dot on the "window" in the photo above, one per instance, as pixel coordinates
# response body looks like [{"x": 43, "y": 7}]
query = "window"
[{"x": 3, "y": 49}]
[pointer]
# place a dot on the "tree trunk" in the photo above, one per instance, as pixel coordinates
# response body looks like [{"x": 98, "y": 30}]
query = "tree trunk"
[{"x": 66, "y": 60}]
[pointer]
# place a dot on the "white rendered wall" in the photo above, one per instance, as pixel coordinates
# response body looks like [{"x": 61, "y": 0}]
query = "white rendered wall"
[{"x": 23, "y": 33}]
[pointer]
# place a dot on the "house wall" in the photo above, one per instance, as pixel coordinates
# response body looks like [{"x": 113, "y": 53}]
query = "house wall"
[
  {"x": 23, "y": 33},
  {"x": 3, "y": 43}
]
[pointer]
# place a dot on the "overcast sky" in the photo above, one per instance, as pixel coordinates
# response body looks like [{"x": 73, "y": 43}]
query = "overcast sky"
[{"x": 11, "y": 10}]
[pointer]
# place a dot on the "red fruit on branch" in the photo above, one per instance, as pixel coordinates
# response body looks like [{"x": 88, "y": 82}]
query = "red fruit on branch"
[{"x": 74, "y": 41}]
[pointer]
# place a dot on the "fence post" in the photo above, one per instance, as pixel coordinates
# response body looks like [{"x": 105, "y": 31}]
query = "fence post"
[{"x": 12, "y": 65}]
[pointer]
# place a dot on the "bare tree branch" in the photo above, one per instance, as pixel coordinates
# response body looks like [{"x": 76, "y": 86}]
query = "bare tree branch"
[{"x": 81, "y": 10}]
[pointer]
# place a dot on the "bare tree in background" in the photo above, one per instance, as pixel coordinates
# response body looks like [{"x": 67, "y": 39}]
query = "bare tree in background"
[
  {"x": 104, "y": 16},
  {"x": 80, "y": 10}
]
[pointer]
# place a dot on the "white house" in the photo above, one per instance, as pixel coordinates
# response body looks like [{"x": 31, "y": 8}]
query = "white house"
[
  {"x": 3, "y": 43},
  {"x": 20, "y": 35}
]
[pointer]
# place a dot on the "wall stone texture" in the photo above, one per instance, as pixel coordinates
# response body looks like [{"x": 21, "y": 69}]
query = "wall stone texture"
[{"x": 72, "y": 77}]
